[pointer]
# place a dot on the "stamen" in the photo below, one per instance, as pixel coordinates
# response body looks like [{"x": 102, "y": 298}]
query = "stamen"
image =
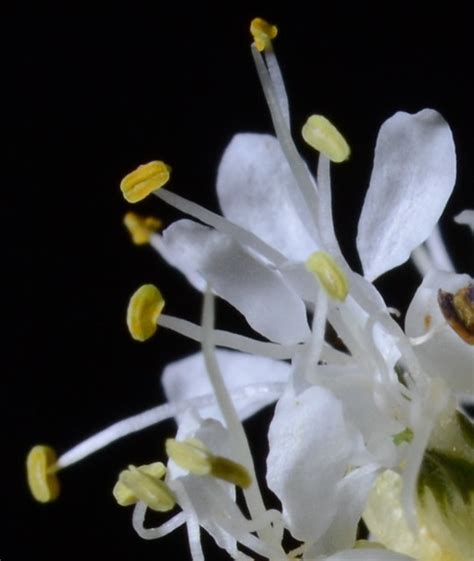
[
  {"x": 438, "y": 252},
  {"x": 237, "y": 233},
  {"x": 330, "y": 275},
  {"x": 41, "y": 470},
  {"x": 278, "y": 83},
  {"x": 314, "y": 346},
  {"x": 323, "y": 136},
  {"x": 143, "y": 311},
  {"x": 148, "y": 489},
  {"x": 124, "y": 495},
  {"x": 164, "y": 529},
  {"x": 262, "y": 32},
  {"x": 308, "y": 204},
  {"x": 156, "y": 415},
  {"x": 432, "y": 331},
  {"x": 240, "y": 443},
  {"x": 141, "y": 228},
  {"x": 192, "y": 455},
  {"x": 422, "y": 260},
  {"x": 192, "y": 521},
  {"x": 466, "y": 218},
  {"x": 144, "y": 180},
  {"x": 230, "y": 340},
  {"x": 325, "y": 218}
]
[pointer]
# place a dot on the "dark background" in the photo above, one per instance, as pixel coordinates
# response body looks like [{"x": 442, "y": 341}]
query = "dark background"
[{"x": 92, "y": 93}]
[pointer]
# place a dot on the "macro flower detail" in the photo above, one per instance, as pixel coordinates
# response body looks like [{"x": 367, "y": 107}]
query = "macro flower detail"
[{"x": 369, "y": 426}]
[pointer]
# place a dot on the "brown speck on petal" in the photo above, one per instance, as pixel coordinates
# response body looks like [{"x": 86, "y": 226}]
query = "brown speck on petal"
[
  {"x": 458, "y": 310},
  {"x": 428, "y": 320}
]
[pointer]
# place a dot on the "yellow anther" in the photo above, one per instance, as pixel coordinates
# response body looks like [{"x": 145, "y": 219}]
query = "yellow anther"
[
  {"x": 323, "y": 136},
  {"x": 145, "y": 487},
  {"x": 262, "y": 32},
  {"x": 143, "y": 311},
  {"x": 193, "y": 456},
  {"x": 330, "y": 275},
  {"x": 141, "y": 228},
  {"x": 41, "y": 471},
  {"x": 190, "y": 454},
  {"x": 144, "y": 180},
  {"x": 125, "y": 496}
]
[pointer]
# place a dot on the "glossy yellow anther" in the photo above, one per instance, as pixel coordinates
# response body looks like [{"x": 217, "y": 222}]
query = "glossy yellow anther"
[
  {"x": 262, "y": 32},
  {"x": 144, "y": 180},
  {"x": 141, "y": 228},
  {"x": 323, "y": 136},
  {"x": 41, "y": 471},
  {"x": 136, "y": 484},
  {"x": 125, "y": 496},
  {"x": 143, "y": 311},
  {"x": 330, "y": 275},
  {"x": 193, "y": 456}
]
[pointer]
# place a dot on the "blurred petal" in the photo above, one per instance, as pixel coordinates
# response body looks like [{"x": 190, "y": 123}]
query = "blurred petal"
[
  {"x": 412, "y": 179},
  {"x": 269, "y": 305},
  {"x": 257, "y": 190},
  {"x": 445, "y": 354}
]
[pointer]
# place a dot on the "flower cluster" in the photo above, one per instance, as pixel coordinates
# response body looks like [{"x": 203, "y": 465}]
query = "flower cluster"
[{"x": 369, "y": 428}]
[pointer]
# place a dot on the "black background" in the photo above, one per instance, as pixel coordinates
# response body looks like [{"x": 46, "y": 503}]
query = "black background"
[{"x": 92, "y": 93}]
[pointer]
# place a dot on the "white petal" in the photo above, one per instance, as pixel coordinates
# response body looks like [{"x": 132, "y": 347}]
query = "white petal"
[
  {"x": 257, "y": 190},
  {"x": 466, "y": 217},
  {"x": 355, "y": 389},
  {"x": 181, "y": 260},
  {"x": 187, "y": 378},
  {"x": 309, "y": 453},
  {"x": 351, "y": 496},
  {"x": 209, "y": 498},
  {"x": 412, "y": 179},
  {"x": 269, "y": 305},
  {"x": 445, "y": 354}
]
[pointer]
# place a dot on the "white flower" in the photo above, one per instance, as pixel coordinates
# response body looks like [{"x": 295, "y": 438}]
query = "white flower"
[{"x": 342, "y": 416}]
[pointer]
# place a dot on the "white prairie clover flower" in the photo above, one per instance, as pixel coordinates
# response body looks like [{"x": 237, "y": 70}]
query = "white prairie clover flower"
[{"x": 382, "y": 410}]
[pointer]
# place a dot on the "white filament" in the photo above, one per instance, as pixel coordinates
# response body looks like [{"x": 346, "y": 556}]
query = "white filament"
[
  {"x": 438, "y": 251},
  {"x": 313, "y": 347},
  {"x": 422, "y": 260},
  {"x": 305, "y": 182},
  {"x": 325, "y": 218},
  {"x": 278, "y": 82},
  {"x": 164, "y": 529},
  {"x": 235, "y": 232},
  {"x": 192, "y": 521},
  {"x": 155, "y": 415},
  {"x": 240, "y": 443},
  {"x": 228, "y": 339}
]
